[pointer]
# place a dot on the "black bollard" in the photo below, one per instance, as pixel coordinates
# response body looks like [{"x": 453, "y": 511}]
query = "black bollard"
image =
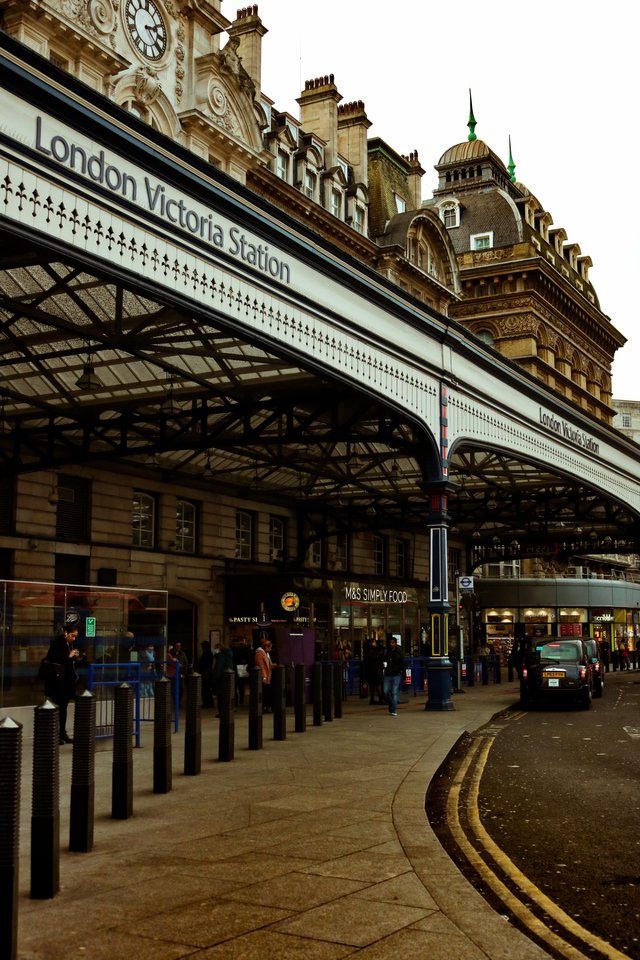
[
  {"x": 193, "y": 725},
  {"x": 278, "y": 705},
  {"x": 162, "y": 758},
  {"x": 327, "y": 692},
  {"x": 122, "y": 767},
  {"x": 471, "y": 672},
  {"x": 45, "y": 808},
  {"x": 337, "y": 690},
  {"x": 226, "y": 702},
  {"x": 299, "y": 699},
  {"x": 255, "y": 709},
  {"x": 81, "y": 812},
  {"x": 10, "y": 765},
  {"x": 484, "y": 670},
  {"x": 316, "y": 693}
]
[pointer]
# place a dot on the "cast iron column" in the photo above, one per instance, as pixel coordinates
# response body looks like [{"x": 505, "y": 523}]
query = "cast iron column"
[{"x": 438, "y": 666}]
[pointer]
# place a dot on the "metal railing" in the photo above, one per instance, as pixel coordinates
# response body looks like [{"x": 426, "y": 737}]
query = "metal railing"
[{"x": 103, "y": 678}]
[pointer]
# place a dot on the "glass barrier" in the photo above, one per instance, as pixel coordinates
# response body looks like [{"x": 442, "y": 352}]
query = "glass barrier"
[{"x": 116, "y": 625}]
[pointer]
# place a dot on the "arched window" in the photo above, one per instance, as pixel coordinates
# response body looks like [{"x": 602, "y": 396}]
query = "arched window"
[
  {"x": 450, "y": 214},
  {"x": 486, "y": 336}
]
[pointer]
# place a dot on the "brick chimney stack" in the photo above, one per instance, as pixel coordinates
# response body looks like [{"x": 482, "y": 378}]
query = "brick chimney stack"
[
  {"x": 319, "y": 114},
  {"x": 352, "y": 137},
  {"x": 249, "y": 30}
]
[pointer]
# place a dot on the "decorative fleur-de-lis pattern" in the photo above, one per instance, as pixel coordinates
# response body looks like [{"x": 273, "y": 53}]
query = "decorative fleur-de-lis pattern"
[{"x": 99, "y": 231}]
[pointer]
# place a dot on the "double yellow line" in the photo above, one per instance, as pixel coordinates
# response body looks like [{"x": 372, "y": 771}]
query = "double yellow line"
[{"x": 479, "y": 753}]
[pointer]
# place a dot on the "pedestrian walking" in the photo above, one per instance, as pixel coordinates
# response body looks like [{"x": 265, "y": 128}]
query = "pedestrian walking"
[{"x": 393, "y": 671}]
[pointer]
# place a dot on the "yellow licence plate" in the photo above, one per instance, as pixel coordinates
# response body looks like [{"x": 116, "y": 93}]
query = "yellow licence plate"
[{"x": 553, "y": 673}]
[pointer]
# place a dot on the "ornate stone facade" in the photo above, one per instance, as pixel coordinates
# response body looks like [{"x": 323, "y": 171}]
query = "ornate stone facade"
[{"x": 491, "y": 260}]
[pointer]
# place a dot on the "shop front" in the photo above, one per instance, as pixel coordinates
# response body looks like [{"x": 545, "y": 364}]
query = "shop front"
[
  {"x": 364, "y": 609},
  {"x": 531, "y": 609},
  {"x": 278, "y": 606}
]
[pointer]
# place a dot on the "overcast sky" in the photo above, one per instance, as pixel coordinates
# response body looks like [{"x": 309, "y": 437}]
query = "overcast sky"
[{"x": 559, "y": 77}]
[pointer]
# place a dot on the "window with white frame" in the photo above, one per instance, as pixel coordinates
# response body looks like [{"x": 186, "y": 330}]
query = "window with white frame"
[
  {"x": 282, "y": 165},
  {"x": 143, "y": 519},
  {"x": 276, "y": 538},
  {"x": 379, "y": 556},
  {"x": 310, "y": 182},
  {"x": 626, "y": 420},
  {"x": 482, "y": 241},
  {"x": 450, "y": 214},
  {"x": 186, "y": 514},
  {"x": 358, "y": 218},
  {"x": 336, "y": 203},
  {"x": 400, "y": 202},
  {"x": 244, "y": 535}
]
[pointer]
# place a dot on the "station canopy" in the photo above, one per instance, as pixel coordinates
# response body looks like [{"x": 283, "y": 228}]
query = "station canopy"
[{"x": 94, "y": 371}]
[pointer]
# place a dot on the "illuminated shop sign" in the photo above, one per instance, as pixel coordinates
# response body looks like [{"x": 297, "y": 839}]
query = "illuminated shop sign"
[
  {"x": 290, "y": 601},
  {"x": 375, "y": 594}
]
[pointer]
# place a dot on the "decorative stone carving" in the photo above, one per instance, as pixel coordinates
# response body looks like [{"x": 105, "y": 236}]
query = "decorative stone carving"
[
  {"x": 217, "y": 99},
  {"x": 517, "y": 325},
  {"x": 220, "y": 111},
  {"x": 146, "y": 84},
  {"x": 73, "y": 9},
  {"x": 102, "y": 15},
  {"x": 230, "y": 64}
]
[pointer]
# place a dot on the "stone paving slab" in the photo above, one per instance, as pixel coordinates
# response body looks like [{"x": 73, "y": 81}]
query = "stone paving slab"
[{"x": 314, "y": 847}]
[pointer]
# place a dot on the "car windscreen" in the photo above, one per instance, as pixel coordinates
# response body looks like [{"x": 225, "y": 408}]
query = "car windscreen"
[{"x": 559, "y": 651}]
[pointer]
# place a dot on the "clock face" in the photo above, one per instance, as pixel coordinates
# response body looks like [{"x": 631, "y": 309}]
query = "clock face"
[{"x": 146, "y": 27}]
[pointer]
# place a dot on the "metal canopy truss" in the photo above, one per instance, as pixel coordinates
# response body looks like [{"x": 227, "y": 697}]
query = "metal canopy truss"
[{"x": 172, "y": 391}]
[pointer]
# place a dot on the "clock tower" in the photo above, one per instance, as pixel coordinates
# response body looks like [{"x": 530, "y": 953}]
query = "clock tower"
[{"x": 183, "y": 68}]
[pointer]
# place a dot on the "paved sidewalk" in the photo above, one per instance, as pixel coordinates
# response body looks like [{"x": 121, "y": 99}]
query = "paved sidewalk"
[{"x": 314, "y": 847}]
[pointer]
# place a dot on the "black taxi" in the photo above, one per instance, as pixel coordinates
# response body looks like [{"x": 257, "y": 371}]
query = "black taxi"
[{"x": 557, "y": 669}]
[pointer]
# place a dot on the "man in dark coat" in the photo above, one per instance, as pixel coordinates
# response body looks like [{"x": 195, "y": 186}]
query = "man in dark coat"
[
  {"x": 393, "y": 672},
  {"x": 62, "y": 650}
]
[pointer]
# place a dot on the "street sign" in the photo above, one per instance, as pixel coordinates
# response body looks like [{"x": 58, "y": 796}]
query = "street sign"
[
  {"x": 465, "y": 584},
  {"x": 90, "y": 627}
]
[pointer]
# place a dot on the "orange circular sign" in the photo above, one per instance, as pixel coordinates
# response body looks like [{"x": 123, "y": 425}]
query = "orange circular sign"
[{"x": 290, "y": 601}]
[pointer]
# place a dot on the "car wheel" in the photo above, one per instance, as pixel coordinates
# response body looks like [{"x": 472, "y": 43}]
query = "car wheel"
[
  {"x": 526, "y": 700},
  {"x": 599, "y": 690},
  {"x": 585, "y": 698}
]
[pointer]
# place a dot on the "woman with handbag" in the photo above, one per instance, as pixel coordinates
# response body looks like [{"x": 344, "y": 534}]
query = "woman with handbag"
[{"x": 60, "y": 685}]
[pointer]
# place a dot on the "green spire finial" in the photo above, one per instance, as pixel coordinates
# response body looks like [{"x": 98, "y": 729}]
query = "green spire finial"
[
  {"x": 511, "y": 167},
  {"x": 472, "y": 120}
]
